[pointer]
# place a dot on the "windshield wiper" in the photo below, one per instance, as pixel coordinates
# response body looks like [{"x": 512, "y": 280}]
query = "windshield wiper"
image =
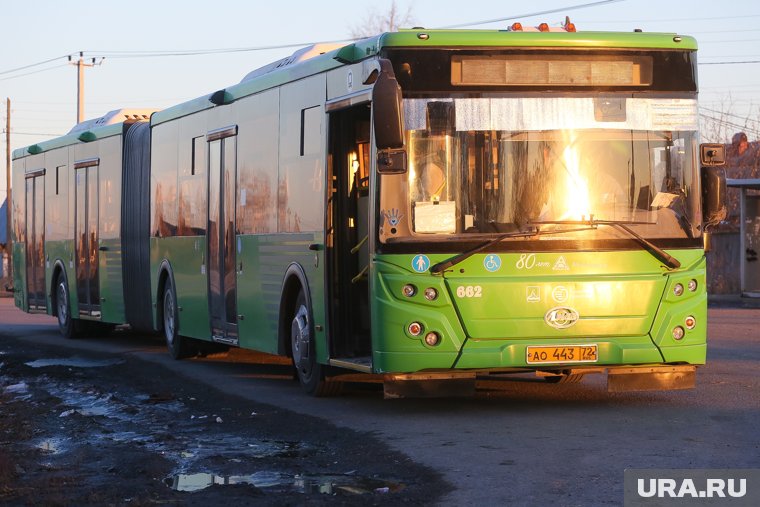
[
  {"x": 658, "y": 253},
  {"x": 448, "y": 263}
]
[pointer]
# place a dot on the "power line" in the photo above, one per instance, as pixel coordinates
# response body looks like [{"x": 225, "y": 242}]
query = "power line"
[
  {"x": 212, "y": 51},
  {"x": 34, "y": 134},
  {"x": 663, "y": 20},
  {"x": 726, "y": 41},
  {"x": 723, "y": 112},
  {"x": 32, "y": 65},
  {"x": 532, "y": 14},
  {"x": 729, "y": 63},
  {"x": 30, "y": 73},
  {"x": 164, "y": 53},
  {"x": 727, "y": 123}
]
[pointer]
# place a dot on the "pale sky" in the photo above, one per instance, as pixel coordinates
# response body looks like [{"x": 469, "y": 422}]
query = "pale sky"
[{"x": 43, "y": 97}]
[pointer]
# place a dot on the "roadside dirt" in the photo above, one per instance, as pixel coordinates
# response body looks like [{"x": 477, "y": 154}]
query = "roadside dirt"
[{"x": 99, "y": 430}]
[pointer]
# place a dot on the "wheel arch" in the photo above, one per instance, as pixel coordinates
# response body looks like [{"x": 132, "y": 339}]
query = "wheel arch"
[{"x": 293, "y": 282}]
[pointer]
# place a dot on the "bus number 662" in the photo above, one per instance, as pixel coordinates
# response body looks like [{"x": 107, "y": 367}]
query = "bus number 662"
[{"x": 469, "y": 291}]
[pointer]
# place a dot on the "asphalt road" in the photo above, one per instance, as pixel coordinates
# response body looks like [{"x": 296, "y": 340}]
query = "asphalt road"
[{"x": 529, "y": 444}]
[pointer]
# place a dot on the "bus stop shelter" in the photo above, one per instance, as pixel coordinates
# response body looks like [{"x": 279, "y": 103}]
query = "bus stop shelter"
[{"x": 749, "y": 235}]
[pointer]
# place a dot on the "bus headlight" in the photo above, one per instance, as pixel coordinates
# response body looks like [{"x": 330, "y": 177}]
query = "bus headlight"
[
  {"x": 678, "y": 289},
  {"x": 692, "y": 285},
  {"x": 431, "y": 294},
  {"x": 409, "y": 290},
  {"x": 415, "y": 329},
  {"x": 432, "y": 338},
  {"x": 678, "y": 333}
]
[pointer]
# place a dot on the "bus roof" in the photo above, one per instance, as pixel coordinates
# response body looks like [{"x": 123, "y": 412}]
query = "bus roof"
[
  {"x": 296, "y": 67},
  {"x": 110, "y": 124}
]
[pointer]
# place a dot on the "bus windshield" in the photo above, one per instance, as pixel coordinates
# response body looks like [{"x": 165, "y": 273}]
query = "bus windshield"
[{"x": 493, "y": 166}]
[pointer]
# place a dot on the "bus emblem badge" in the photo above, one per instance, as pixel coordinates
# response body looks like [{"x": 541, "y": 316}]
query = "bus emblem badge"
[{"x": 561, "y": 317}]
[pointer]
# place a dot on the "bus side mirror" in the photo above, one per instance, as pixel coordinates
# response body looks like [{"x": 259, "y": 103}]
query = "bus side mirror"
[
  {"x": 387, "y": 116},
  {"x": 713, "y": 196},
  {"x": 714, "y": 208}
]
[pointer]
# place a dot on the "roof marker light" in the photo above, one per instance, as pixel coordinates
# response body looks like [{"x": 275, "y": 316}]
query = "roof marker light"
[
  {"x": 516, "y": 27},
  {"x": 568, "y": 25},
  {"x": 543, "y": 27}
]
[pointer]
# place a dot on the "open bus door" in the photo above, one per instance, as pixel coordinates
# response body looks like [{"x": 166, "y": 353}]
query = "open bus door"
[{"x": 348, "y": 235}]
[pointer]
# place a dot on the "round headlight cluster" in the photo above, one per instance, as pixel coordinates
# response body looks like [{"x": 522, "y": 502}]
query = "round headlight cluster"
[
  {"x": 678, "y": 288},
  {"x": 678, "y": 333},
  {"x": 431, "y": 294},
  {"x": 415, "y": 329},
  {"x": 432, "y": 339},
  {"x": 409, "y": 290}
]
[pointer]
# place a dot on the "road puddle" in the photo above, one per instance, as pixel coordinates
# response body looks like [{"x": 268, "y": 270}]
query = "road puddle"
[
  {"x": 74, "y": 362},
  {"x": 18, "y": 391},
  {"x": 52, "y": 445},
  {"x": 231, "y": 446},
  {"x": 281, "y": 482}
]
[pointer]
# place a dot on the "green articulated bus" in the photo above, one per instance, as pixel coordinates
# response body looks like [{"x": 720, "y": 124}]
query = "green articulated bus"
[{"x": 423, "y": 205}]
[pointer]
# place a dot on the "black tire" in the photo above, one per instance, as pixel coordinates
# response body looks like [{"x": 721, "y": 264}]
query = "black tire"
[
  {"x": 177, "y": 345},
  {"x": 310, "y": 374},
  {"x": 68, "y": 327}
]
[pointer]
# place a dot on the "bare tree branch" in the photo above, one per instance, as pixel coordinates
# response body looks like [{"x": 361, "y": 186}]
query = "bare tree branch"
[{"x": 378, "y": 22}]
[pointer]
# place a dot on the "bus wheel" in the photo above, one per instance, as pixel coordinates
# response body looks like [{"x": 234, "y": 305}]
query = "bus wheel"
[
  {"x": 565, "y": 378},
  {"x": 177, "y": 346},
  {"x": 311, "y": 374},
  {"x": 66, "y": 324}
]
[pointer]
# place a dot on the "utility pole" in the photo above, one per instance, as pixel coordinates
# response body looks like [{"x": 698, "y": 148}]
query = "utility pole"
[
  {"x": 8, "y": 245},
  {"x": 80, "y": 81}
]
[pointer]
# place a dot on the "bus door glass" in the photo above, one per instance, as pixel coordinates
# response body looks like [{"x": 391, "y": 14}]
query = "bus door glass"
[
  {"x": 221, "y": 258},
  {"x": 348, "y": 231},
  {"x": 86, "y": 234},
  {"x": 35, "y": 240}
]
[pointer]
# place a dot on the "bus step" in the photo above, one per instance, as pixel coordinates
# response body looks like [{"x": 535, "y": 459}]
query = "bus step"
[{"x": 362, "y": 364}]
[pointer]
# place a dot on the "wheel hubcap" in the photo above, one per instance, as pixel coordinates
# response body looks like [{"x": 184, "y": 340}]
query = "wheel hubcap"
[
  {"x": 300, "y": 341},
  {"x": 63, "y": 305},
  {"x": 169, "y": 317}
]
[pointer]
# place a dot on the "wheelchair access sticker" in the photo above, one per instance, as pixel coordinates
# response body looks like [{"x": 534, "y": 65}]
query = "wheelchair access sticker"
[{"x": 492, "y": 263}]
